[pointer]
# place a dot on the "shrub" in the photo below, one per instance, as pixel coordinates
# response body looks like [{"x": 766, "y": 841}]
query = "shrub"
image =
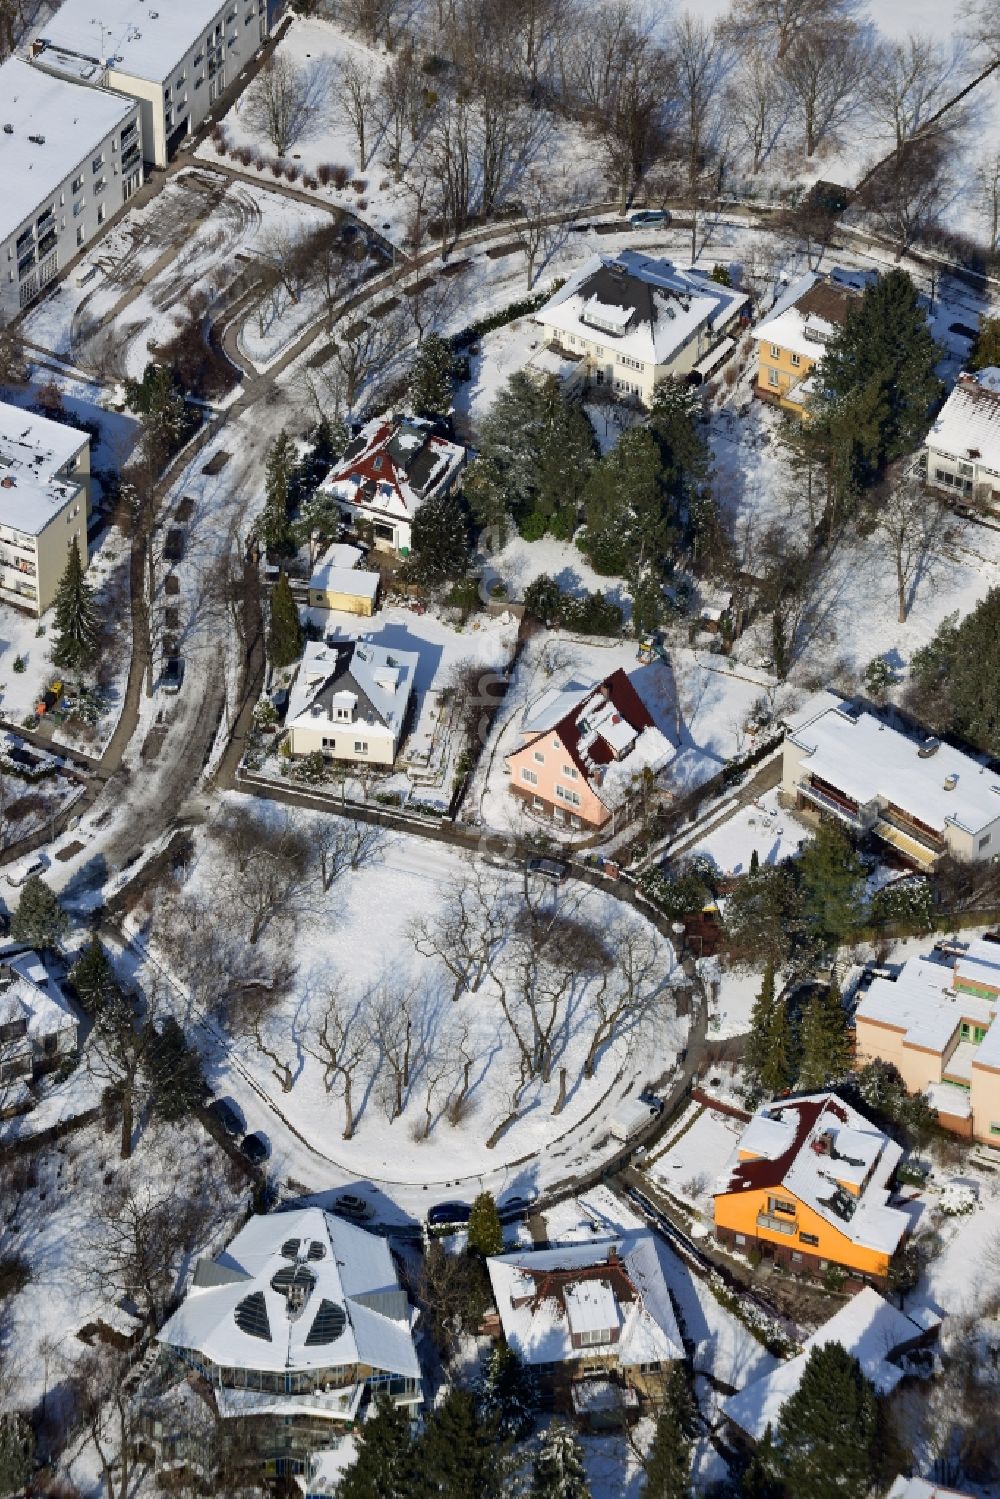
[
  {"x": 361, "y": 205},
  {"x": 341, "y": 177},
  {"x": 359, "y": 184},
  {"x": 310, "y": 182},
  {"x": 293, "y": 172},
  {"x": 19, "y": 664},
  {"x": 909, "y": 902},
  {"x": 15, "y": 1274},
  {"x": 260, "y": 163},
  {"x": 276, "y": 168},
  {"x": 533, "y": 527},
  {"x": 324, "y": 173}
]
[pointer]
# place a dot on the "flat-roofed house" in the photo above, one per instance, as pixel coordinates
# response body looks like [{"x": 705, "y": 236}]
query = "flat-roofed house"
[
  {"x": 921, "y": 797},
  {"x": 937, "y": 1024},
  {"x": 630, "y": 322},
  {"x": 175, "y": 58},
  {"x": 44, "y": 501},
  {"x": 809, "y": 1185},
  {"x": 70, "y": 156},
  {"x": 338, "y": 582}
]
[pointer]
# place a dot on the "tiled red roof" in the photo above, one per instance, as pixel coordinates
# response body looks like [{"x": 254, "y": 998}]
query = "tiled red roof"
[
  {"x": 763, "y": 1172},
  {"x": 619, "y": 691}
]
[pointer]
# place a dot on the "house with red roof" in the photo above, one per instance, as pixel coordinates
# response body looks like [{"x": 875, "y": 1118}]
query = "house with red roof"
[
  {"x": 809, "y": 1185},
  {"x": 387, "y": 471},
  {"x": 585, "y": 750}
]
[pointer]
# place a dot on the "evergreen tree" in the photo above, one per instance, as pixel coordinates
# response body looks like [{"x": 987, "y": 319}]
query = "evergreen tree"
[
  {"x": 284, "y": 636},
  {"x": 828, "y": 1429},
  {"x": 565, "y": 458},
  {"x": 17, "y": 1454},
  {"x": 382, "y": 1466},
  {"x": 455, "y": 1458},
  {"x": 754, "y": 862},
  {"x": 985, "y": 352},
  {"x": 174, "y": 1072},
  {"x": 668, "y": 1467},
  {"x": 272, "y": 527},
  {"x": 824, "y": 1043},
  {"x": 831, "y": 886},
  {"x": 675, "y": 422},
  {"x": 769, "y": 1042},
  {"x": 485, "y": 1232},
  {"x": 319, "y": 523},
  {"x": 92, "y": 977},
  {"x": 763, "y": 917},
  {"x": 543, "y": 599},
  {"x": 558, "y": 1471},
  {"x": 432, "y": 378},
  {"x": 957, "y": 675},
  {"x": 39, "y": 919},
  {"x": 77, "y": 623},
  {"x": 159, "y": 401},
  {"x": 647, "y": 604},
  {"x": 507, "y": 1395},
  {"x": 485, "y": 488},
  {"x": 630, "y": 519},
  {"x": 439, "y": 541}
]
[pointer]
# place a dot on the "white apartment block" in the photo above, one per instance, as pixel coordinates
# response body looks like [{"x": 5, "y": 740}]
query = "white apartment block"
[
  {"x": 44, "y": 501},
  {"x": 69, "y": 158},
  {"x": 176, "y": 57}
]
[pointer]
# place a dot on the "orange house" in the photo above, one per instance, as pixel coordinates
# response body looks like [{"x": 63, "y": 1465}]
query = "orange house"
[
  {"x": 808, "y": 1186},
  {"x": 585, "y": 750}
]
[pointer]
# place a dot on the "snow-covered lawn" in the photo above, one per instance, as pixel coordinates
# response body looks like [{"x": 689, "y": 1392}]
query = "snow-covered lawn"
[
  {"x": 520, "y": 562},
  {"x": 358, "y": 939},
  {"x": 690, "y": 1166},
  {"x": 763, "y": 828}
]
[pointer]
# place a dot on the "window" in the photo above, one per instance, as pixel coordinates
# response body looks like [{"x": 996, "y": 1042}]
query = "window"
[
  {"x": 569, "y": 772},
  {"x": 740, "y": 1238},
  {"x": 361, "y": 746},
  {"x": 529, "y": 777},
  {"x": 539, "y": 757},
  {"x": 779, "y": 1205},
  {"x": 79, "y": 235},
  {"x": 772, "y": 377},
  {"x": 97, "y": 164},
  {"x": 199, "y": 80},
  {"x": 101, "y": 213},
  {"x": 78, "y": 208},
  {"x": 984, "y": 841},
  {"x": 565, "y": 795},
  {"x": 796, "y": 361},
  {"x": 775, "y": 352},
  {"x": 166, "y": 93},
  {"x": 809, "y": 1238},
  {"x": 344, "y": 713},
  {"x": 995, "y": 1129},
  {"x": 77, "y": 185},
  {"x": 536, "y": 801},
  {"x": 652, "y": 1367},
  {"x": 796, "y": 1257},
  {"x": 99, "y": 186}
]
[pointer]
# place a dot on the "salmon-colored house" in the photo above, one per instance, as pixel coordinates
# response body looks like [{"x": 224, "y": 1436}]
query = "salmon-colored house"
[{"x": 585, "y": 750}]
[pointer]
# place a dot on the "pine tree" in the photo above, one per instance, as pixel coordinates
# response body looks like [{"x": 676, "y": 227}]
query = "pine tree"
[
  {"x": 173, "y": 1069},
  {"x": 507, "y": 1395},
  {"x": 39, "y": 919},
  {"x": 159, "y": 401},
  {"x": 92, "y": 977},
  {"x": 455, "y": 1458},
  {"x": 319, "y": 523},
  {"x": 272, "y": 527},
  {"x": 957, "y": 675},
  {"x": 769, "y": 1042},
  {"x": 439, "y": 541},
  {"x": 630, "y": 519},
  {"x": 77, "y": 623},
  {"x": 823, "y": 1040},
  {"x": 17, "y": 1454},
  {"x": 383, "y": 1456},
  {"x": 485, "y": 1232},
  {"x": 432, "y": 378},
  {"x": 558, "y": 1471},
  {"x": 754, "y": 862},
  {"x": 831, "y": 884},
  {"x": 985, "y": 352},
  {"x": 668, "y": 1467},
  {"x": 827, "y": 1432},
  {"x": 647, "y": 604},
  {"x": 284, "y": 636},
  {"x": 566, "y": 456}
]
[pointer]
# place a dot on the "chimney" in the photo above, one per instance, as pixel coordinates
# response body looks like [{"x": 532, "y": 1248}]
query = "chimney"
[{"x": 950, "y": 782}]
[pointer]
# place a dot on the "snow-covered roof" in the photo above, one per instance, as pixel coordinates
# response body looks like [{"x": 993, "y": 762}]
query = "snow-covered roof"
[
  {"x": 340, "y": 556},
  {"x": 34, "y": 452},
  {"x": 968, "y": 424},
  {"x": 379, "y": 681},
  {"x": 545, "y": 1296},
  {"x": 827, "y": 1155},
  {"x": 55, "y": 126},
  {"x": 29, "y": 993},
  {"x": 648, "y": 308},
  {"x": 920, "y": 1488},
  {"x": 132, "y": 36},
  {"x": 869, "y": 761},
  {"x": 349, "y": 580},
  {"x": 807, "y": 315},
  {"x": 923, "y": 1003},
  {"x": 392, "y": 465},
  {"x": 298, "y": 1291},
  {"x": 867, "y": 1327}
]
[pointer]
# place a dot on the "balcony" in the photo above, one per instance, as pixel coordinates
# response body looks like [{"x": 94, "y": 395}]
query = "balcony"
[
  {"x": 130, "y": 161},
  {"x": 47, "y": 243},
  {"x": 777, "y": 1224},
  {"x": 829, "y": 803}
]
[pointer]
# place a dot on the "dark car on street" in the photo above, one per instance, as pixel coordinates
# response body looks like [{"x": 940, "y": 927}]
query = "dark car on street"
[
  {"x": 227, "y": 1114},
  {"x": 449, "y": 1215},
  {"x": 256, "y": 1149}
]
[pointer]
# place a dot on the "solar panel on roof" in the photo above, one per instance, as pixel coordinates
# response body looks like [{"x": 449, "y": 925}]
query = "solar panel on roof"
[
  {"x": 328, "y": 1324},
  {"x": 316, "y": 1250},
  {"x": 290, "y": 1249},
  {"x": 251, "y": 1317}
]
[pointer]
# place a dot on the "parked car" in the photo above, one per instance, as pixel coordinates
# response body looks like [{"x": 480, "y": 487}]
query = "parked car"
[
  {"x": 225, "y": 1112},
  {"x": 518, "y": 1204},
  {"x": 353, "y": 1206},
  {"x": 549, "y": 869},
  {"x": 256, "y": 1148},
  {"x": 449, "y": 1215},
  {"x": 173, "y": 546},
  {"x": 173, "y": 674},
  {"x": 632, "y": 1116},
  {"x": 17, "y": 877},
  {"x": 649, "y": 218}
]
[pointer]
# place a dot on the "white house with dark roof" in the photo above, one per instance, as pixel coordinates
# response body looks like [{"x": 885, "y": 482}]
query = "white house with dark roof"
[
  {"x": 962, "y": 448},
  {"x": 295, "y": 1325},
  {"x": 921, "y": 797},
  {"x": 70, "y": 156},
  {"x": 350, "y": 701},
  {"x": 595, "y": 1322},
  {"x": 174, "y": 57},
  {"x": 44, "y": 502},
  {"x": 635, "y": 321},
  {"x": 38, "y": 1026},
  {"x": 387, "y": 471}
]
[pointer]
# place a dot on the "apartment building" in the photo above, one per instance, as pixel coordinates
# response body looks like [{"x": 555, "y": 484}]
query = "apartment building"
[
  {"x": 921, "y": 797},
  {"x": 809, "y": 1185},
  {"x": 962, "y": 449},
  {"x": 44, "y": 503},
  {"x": 632, "y": 322},
  {"x": 175, "y": 57},
  {"x": 936, "y": 1023},
  {"x": 70, "y": 156}
]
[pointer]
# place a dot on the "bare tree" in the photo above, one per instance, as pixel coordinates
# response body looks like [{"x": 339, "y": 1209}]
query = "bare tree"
[
  {"x": 450, "y": 148},
  {"x": 339, "y": 1041},
  {"x": 824, "y": 71},
  {"x": 400, "y": 107},
  {"x": 345, "y": 843},
  {"x": 109, "y": 1417},
  {"x": 355, "y": 100},
  {"x": 390, "y": 1010},
  {"x": 282, "y": 102},
  {"x": 467, "y": 928},
  {"x": 758, "y": 105},
  {"x": 988, "y": 182},
  {"x": 700, "y": 62},
  {"x": 907, "y": 194},
  {"x": 908, "y": 83},
  {"x": 266, "y": 865},
  {"x": 626, "y": 1000},
  {"x": 911, "y": 522},
  {"x": 543, "y": 198},
  {"x": 778, "y": 24},
  {"x": 254, "y": 1006},
  {"x": 362, "y": 351}
]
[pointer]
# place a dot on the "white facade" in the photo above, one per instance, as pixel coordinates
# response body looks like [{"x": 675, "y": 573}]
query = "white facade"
[
  {"x": 70, "y": 156},
  {"x": 634, "y": 322},
  {"x": 175, "y": 58},
  {"x": 37, "y": 1025},
  {"x": 963, "y": 446},
  {"x": 387, "y": 471},
  {"x": 44, "y": 502},
  {"x": 350, "y": 701}
]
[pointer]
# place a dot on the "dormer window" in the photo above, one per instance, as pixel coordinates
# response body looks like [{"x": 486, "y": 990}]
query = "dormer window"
[{"x": 377, "y": 464}]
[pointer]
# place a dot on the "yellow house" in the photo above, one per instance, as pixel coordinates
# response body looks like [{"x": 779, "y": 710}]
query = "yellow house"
[
  {"x": 338, "y": 583},
  {"x": 791, "y": 339},
  {"x": 808, "y": 1185},
  {"x": 937, "y": 1026}
]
